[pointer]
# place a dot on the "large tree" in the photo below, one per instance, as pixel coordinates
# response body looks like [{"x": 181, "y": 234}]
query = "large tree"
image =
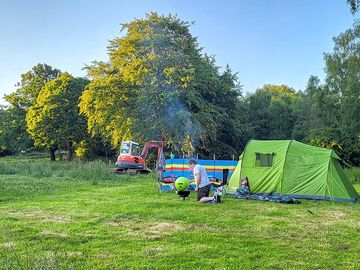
[
  {"x": 139, "y": 92},
  {"x": 343, "y": 86},
  {"x": 273, "y": 112},
  {"x": 31, "y": 84},
  {"x": 157, "y": 85},
  {"x": 13, "y": 135},
  {"x": 27, "y": 91},
  {"x": 214, "y": 103},
  {"x": 4, "y": 126},
  {"x": 54, "y": 118},
  {"x": 309, "y": 121}
]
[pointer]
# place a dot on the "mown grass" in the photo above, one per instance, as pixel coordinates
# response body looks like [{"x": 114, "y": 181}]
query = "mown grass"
[{"x": 70, "y": 216}]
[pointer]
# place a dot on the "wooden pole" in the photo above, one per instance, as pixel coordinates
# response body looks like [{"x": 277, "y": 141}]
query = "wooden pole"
[
  {"x": 214, "y": 168},
  {"x": 182, "y": 172}
]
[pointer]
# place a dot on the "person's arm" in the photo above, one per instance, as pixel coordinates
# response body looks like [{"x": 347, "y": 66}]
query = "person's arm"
[{"x": 197, "y": 181}]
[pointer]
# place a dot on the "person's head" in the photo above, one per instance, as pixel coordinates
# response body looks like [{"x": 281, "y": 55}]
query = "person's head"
[
  {"x": 243, "y": 181},
  {"x": 192, "y": 162}
]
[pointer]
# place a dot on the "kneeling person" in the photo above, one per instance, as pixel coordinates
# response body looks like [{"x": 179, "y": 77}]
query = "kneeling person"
[{"x": 202, "y": 181}]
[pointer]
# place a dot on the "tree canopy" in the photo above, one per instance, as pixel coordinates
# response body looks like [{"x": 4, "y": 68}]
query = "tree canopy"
[
  {"x": 14, "y": 134},
  {"x": 31, "y": 84},
  {"x": 343, "y": 87},
  {"x": 54, "y": 119},
  {"x": 158, "y": 85},
  {"x": 354, "y": 5}
]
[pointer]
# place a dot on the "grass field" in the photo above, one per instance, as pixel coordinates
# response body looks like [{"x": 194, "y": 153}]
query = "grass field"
[{"x": 69, "y": 216}]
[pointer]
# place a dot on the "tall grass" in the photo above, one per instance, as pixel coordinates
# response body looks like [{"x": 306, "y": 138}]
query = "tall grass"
[{"x": 92, "y": 171}]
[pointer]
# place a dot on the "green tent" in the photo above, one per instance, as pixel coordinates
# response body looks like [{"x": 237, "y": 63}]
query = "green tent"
[{"x": 293, "y": 168}]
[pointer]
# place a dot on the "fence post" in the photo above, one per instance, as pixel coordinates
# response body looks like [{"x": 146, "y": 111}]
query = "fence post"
[
  {"x": 214, "y": 168},
  {"x": 182, "y": 171}
]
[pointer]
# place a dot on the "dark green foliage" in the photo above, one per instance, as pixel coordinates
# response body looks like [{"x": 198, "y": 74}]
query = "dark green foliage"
[
  {"x": 354, "y": 5},
  {"x": 338, "y": 102},
  {"x": 259, "y": 116},
  {"x": 273, "y": 112},
  {"x": 214, "y": 103}
]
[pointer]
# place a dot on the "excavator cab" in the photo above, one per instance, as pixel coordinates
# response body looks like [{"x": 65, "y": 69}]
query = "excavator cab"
[
  {"x": 131, "y": 148},
  {"x": 129, "y": 157}
]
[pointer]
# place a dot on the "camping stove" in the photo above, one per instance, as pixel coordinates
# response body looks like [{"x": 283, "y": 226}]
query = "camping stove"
[{"x": 183, "y": 194}]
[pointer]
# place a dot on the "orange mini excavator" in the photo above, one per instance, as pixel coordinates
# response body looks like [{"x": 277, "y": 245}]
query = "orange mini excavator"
[{"x": 130, "y": 159}]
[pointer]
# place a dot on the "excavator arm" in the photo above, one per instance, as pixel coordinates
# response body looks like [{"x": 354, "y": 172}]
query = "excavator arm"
[
  {"x": 160, "y": 162},
  {"x": 152, "y": 144}
]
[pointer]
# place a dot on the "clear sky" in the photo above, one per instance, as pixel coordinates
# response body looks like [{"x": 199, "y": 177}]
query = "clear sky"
[{"x": 265, "y": 41}]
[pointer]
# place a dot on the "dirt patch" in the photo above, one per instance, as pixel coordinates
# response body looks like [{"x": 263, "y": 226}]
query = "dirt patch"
[
  {"x": 35, "y": 213},
  {"x": 57, "y": 219},
  {"x": 333, "y": 217},
  {"x": 156, "y": 231},
  {"x": 27, "y": 212},
  {"x": 149, "y": 231},
  {"x": 113, "y": 224},
  {"x": 205, "y": 228},
  {"x": 8, "y": 244},
  {"x": 53, "y": 234},
  {"x": 152, "y": 252},
  {"x": 164, "y": 227},
  {"x": 102, "y": 255},
  {"x": 74, "y": 254},
  {"x": 335, "y": 214},
  {"x": 342, "y": 247},
  {"x": 86, "y": 235}
]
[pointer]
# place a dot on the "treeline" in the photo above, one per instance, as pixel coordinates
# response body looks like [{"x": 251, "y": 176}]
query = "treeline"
[{"x": 158, "y": 84}]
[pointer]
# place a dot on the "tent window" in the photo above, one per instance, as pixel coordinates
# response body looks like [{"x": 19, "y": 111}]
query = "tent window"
[{"x": 264, "y": 160}]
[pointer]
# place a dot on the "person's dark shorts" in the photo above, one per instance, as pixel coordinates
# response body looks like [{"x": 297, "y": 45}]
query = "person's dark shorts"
[{"x": 203, "y": 192}]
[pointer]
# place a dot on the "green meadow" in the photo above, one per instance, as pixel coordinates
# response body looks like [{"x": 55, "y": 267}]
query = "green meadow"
[{"x": 58, "y": 215}]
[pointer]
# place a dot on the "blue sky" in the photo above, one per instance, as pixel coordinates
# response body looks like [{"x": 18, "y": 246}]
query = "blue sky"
[{"x": 265, "y": 41}]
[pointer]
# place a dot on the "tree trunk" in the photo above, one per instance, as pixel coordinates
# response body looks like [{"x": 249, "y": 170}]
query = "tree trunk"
[
  {"x": 69, "y": 151},
  {"x": 52, "y": 154}
]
